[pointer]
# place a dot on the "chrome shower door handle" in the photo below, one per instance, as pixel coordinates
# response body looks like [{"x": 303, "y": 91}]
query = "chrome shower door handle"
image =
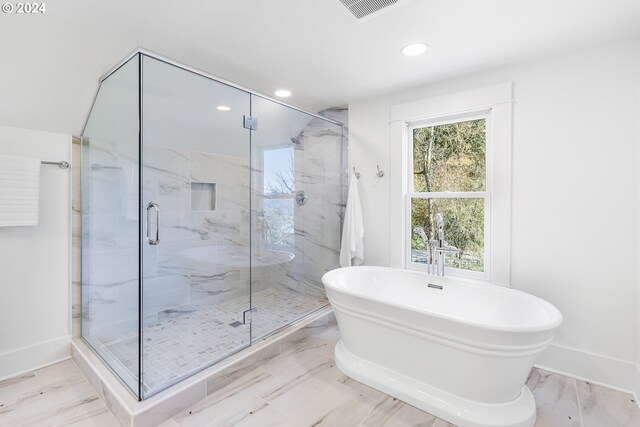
[{"x": 156, "y": 240}]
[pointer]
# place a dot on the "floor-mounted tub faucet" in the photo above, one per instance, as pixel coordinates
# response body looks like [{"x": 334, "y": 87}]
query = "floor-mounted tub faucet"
[
  {"x": 442, "y": 249},
  {"x": 436, "y": 249}
]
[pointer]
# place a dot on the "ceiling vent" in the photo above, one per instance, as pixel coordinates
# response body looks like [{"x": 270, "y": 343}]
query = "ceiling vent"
[{"x": 362, "y": 8}]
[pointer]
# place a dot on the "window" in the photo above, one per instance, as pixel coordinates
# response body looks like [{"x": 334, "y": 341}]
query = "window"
[
  {"x": 448, "y": 175},
  {"x": 469, "y": 180},
  {"x": 278, "y": 197}
]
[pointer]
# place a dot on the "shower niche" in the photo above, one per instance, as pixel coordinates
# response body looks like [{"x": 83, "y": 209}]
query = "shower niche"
[{"x": 193, "y": 245}]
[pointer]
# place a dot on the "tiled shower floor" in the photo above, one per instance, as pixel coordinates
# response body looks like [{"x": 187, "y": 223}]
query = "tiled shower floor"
[{"x": 192, "y": 337}]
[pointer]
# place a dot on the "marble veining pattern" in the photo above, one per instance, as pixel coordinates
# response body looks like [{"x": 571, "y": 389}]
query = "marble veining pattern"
[
  {"x": 302, "y": 387},
  {"x": 57, "y": 395},
  {"x": 191, "y": 336},
  {"x": 299, "y": 386}
]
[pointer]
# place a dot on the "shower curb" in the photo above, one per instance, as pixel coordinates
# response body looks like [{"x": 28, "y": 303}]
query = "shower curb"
[{"x": 161, "y": 407}]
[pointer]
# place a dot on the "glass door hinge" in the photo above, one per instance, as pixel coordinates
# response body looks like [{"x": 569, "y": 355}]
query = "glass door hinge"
[
  {"x": 250, "y": 122},
  {"x": 247, "y": 315}
]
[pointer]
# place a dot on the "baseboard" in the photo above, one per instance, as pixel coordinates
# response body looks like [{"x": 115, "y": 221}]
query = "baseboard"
[
  {"x": 595, "y": 368},
  {"x": 637, "y": 389},
  {"x": 27, "y": 359}
]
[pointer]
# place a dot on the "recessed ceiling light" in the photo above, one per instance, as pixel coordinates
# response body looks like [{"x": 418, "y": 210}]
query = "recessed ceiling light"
[
  {"x": 223, "y": 108},
  {"x": 283, "y": 93},
  {"x": 414, "y": 49}
]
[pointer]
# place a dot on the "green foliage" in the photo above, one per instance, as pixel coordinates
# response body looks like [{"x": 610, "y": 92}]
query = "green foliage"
[{"x": 451, "y": 157}]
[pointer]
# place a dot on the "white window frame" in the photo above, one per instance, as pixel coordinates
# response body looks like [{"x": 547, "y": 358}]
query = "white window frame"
[
  {"x": 484, "y": 195},
  {"x": 496, "y": 103}
]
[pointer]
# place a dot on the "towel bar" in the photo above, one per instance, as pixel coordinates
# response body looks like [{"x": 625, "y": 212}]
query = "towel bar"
[{"x": 61, "y": 165}]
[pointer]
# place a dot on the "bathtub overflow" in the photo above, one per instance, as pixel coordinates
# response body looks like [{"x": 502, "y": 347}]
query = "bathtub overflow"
[{"x": 431, "y": 285}]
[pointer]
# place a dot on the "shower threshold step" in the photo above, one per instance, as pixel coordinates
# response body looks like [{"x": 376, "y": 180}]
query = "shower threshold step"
[{"x": 157, "y": 409}]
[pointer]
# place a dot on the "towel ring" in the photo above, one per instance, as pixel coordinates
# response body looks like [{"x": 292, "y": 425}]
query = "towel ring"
[
  {"x": 357, "y": 174},
  {"x": 380, "y": 173}
]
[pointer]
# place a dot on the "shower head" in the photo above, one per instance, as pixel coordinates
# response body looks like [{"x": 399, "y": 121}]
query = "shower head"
[{"x": 298, "y": 138}]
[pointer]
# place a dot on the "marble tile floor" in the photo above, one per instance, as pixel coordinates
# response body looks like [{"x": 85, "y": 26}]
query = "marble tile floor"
[
  {"x": 58, "y": 395},
  {"x": 191, "y": 336},
  {"x": 300, "y": 387}
]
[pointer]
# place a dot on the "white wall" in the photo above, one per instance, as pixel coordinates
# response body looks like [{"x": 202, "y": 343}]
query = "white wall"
[
  {"x": 35, "y": 262},
  {"x": 575, "y": 196}
]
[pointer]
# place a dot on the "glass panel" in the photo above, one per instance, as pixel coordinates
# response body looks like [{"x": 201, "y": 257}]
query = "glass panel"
[
  {"x": 278, "y": 200},
  {"x": 464, "y": 229},
  {"x": 450, "y": 157},
  {"x": 196, "y": 168},
  {"x": 293, "y": 244},
  {"x": 110, "y": 224}
]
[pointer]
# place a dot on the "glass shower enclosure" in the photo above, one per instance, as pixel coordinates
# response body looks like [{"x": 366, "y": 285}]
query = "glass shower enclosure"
[{"x": 209, "y": 215}]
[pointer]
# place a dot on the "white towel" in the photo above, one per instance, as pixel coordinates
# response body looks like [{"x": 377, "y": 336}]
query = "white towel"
[
  {"x": 19, "y": 190},
  {"x": 352, "y": 248}
]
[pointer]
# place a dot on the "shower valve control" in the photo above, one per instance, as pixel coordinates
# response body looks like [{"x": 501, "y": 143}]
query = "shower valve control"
[{"x": 301, "y": 198}]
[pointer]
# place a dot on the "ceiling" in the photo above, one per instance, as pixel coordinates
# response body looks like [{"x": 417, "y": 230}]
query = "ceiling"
[{"x": 50, "y": 63}]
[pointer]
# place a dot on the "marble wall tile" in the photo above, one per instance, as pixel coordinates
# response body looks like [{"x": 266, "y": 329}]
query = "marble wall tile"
[
  {"x": 127, "y": 232},
  {"x": 175, "y": 227},
  {"x": 159, "y": 294},
  {"x": 232, "y": 196},
  {"x": 103, "y": 194},
  {"x": 221, "y": 284},
  {"x": 110, "y": 267},
  {"x": 206, "y": 167},
  {"x": 100, "y": 306},
  {"x": 224, "y": 226},
  {"x": 174, "y": 195},
  {"x": 166, "y": 164},
  {"x": 103, "y": 229},
  {"x": 76, "y": 236}
]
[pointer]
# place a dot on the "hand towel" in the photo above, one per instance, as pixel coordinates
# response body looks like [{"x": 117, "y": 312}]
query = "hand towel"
[
  {"x": 19, "y": 190},
  {"x": 352, "y": 247}
]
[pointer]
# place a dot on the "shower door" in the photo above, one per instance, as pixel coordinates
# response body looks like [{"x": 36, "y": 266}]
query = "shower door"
[
  {"x": 195, "y": 180},
  {"x": 297, "y": 175}
]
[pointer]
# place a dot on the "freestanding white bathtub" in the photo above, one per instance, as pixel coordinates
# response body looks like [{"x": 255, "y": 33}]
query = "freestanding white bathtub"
[{"x": 460, "y": 351}]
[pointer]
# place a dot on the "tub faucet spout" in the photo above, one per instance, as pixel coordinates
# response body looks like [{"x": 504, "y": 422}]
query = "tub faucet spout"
[
  {"x": 442, "y": 248},
  {"x": 430, "y": 246},
  {"x": 436, "y": 249}
]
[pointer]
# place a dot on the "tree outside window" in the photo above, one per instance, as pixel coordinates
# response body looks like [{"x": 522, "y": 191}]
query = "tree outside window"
[{"x": 449, "y": 177}]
